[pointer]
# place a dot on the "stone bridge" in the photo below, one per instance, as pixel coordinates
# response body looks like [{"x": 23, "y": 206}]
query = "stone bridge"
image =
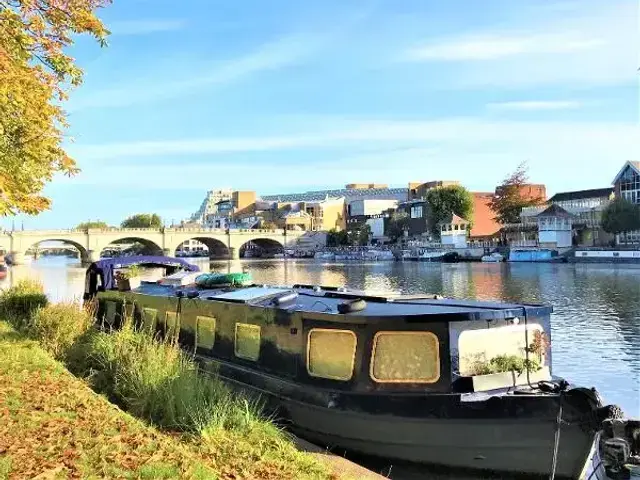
[{"x": 91, "y": 242}]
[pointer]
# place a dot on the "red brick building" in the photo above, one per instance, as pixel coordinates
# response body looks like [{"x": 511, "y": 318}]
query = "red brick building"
[{"x": 485, "y": 228}]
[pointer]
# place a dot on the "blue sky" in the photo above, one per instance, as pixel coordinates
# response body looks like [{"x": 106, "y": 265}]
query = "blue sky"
[{"x": 284, "y": 96}]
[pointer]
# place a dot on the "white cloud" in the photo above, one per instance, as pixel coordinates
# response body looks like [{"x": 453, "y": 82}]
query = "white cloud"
[
  {"x": 536, "y": 105},
  {"x": 586, "y": 46},
  {"x": 491, "y": 47},
  {"x": 413, "y": 134},
  {"x": 286, "y": 50},
  {"x": 145, "y": 26},
  {"x": 470, "y": 150},
  {"x": 270, "y": 56}
]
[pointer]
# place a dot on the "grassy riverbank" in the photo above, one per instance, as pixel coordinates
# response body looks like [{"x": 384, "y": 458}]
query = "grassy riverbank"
[{"x": 51, "y": 421}]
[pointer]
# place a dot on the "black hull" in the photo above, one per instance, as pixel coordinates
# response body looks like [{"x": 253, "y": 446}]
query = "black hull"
[
  {"x": 478, "y": 440},
  {"x": 440, "y": 418}
]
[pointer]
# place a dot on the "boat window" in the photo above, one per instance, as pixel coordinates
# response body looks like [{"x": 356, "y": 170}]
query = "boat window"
[
  {"x": 331, "y": 353},
  {"x": 405, "y": 357},
  {"x": 205, "y": 332},
  {"x": 128, "y": 311},
  {"x": 477, "y": 348},
  {"x": 110, "y": 312},
  {"x": 247, "y": 344},
  {"x": 171, "y": 323},
  {"x": 149, "y": 318}
]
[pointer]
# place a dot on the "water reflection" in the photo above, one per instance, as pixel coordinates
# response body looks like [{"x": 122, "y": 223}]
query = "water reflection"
[{"x": 596, "y": 324}]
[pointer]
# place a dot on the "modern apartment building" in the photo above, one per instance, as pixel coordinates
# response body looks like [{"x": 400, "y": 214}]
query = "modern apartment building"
[{"x": 209, "y": 205}]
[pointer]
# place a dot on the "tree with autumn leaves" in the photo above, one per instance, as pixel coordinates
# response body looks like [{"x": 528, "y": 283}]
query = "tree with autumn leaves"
[
  {"x": 36, "y": 75},
  {"x": 510, "y": 198}
]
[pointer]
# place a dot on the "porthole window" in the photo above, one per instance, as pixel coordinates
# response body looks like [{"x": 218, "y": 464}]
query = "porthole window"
[
  {"x": 247, "y": 343},
  {"x": 331, "y": 353},
  {"x": 405, "y": 357}
]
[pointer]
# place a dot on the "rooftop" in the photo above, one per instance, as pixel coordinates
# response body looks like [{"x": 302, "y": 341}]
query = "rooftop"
[
  {"x": 582, "y": 194},
  {"x": 554, "y": 210},
  {"x": 347, "y": 193}
]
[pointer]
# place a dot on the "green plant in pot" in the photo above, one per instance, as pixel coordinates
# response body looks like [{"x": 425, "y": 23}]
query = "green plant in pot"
[{"x": 129, "y": 278}]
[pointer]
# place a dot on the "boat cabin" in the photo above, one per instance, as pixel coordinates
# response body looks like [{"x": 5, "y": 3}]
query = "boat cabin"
[
  {"x": 101, "y": 275},
  {"x": 345, "y": 340}
]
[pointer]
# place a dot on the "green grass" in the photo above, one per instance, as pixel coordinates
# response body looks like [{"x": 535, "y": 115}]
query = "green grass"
[
  {"x": 5, "y": 467},
  {"x": 54, "y": 421},
  {"x": 51, "y": 423}
]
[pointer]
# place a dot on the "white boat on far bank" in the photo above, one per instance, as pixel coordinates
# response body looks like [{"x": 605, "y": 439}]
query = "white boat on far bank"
[{"x": 495, "y": 257}]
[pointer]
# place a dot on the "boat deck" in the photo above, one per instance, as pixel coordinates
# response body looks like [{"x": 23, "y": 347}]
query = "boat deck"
[{"x": 326, "y": 301}]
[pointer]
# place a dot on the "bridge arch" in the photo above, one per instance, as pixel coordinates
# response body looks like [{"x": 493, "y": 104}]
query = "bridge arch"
[
  {"x": 261, "y": 247},
  {"x": 217, "y": 248},
  {"x": 146, "y": 246},
  {"x": 82, "y": 251}
]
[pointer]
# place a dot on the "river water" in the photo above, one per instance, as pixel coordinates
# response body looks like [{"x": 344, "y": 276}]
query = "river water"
[{"x": 595, "y": 325}]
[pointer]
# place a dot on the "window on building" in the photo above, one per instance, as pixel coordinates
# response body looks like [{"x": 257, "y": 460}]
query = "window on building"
[
  {"x": 449, "y": 227},
  {"x": 456, "y": 227},
  {"x": 416, "y": 211},
  {"x": 247, "y": 341},
  {"x": 444, "y": 228},
  {"x": 630, "y": 186},
  {"x": 405, "y": 357},
  {"x": 331, "y": 353}
]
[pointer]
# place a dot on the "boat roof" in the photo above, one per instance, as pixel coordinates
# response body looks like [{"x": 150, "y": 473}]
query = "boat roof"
[
  {"x": 320, "y": 300},
  {"x": 105, "y": 268},
  {"x": 146, "y": 260}
]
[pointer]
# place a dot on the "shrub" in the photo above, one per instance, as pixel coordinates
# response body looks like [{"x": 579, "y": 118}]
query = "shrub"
[
  {"x": 505, "y": 363},
  {"x": 19, "y": 302},
  {"x": 157, "y": 381},
  {"x": 58, "y": 326}
]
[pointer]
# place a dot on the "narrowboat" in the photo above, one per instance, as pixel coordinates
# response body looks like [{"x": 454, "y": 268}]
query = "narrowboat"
[{"x": 422, "y": 379}]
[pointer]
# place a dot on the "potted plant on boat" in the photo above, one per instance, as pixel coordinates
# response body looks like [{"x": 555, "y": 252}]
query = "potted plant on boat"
[
  {"x": 128, "y": 279},
  {"x": 512, "y": 370}
]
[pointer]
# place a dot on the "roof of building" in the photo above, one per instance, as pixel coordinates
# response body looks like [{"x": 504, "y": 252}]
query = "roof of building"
[
  {"x": 582, "y": 194},
  {"x": 453, "y": 219},
  {"x": 632, "y": 164},
  {"x": 554, "y": 210},
  {"x": 348, "y": 193}
]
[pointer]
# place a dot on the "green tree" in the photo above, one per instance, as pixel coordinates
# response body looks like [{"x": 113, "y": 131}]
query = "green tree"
[
  {"x": 621, "y": 216},
  {"x": 509, "y": 198},
  {"x": 142, "y": 220},
  {"x": 92, "y": 224},
  {"x": 443, "y": 201},
  {"x": 359, "y": 236},
  {"x": 337, "y": 238},
  {"x": 396, "y": 225},
  {"x": 35, "y": 77}
]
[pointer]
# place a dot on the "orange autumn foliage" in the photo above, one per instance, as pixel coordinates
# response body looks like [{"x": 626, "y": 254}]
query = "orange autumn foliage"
[{"x": 35, "y": 77}]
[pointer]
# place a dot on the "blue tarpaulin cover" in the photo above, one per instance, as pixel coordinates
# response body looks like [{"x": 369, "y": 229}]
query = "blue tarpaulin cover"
[{"x": 105, "y": 267}]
